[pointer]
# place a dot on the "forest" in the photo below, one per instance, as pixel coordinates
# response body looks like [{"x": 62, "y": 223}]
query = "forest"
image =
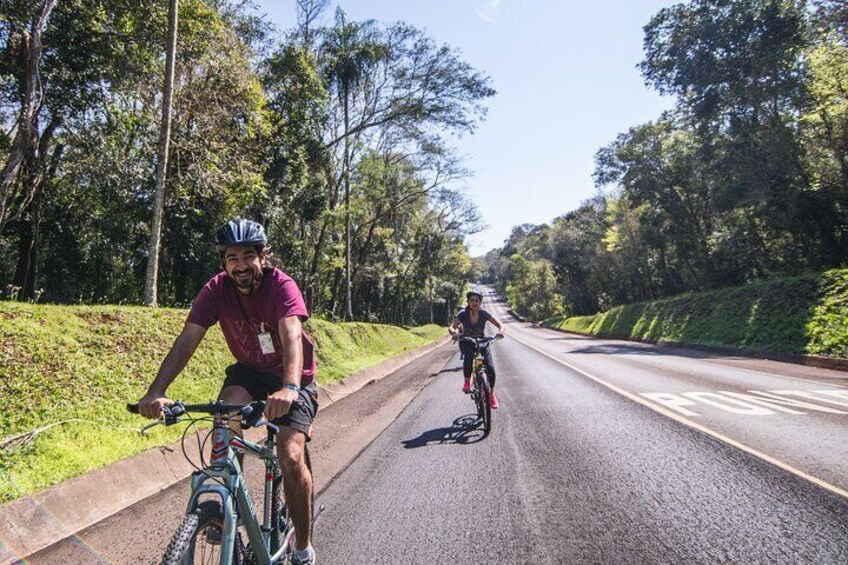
[
  {"x": 336, "y": 134},
  {"x": 745, "y": 179}
]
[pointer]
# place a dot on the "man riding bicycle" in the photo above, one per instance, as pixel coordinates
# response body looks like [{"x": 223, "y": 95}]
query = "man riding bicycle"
[
  {"x": 473, "y": 321},
  {"x": 261, "y": 311}
]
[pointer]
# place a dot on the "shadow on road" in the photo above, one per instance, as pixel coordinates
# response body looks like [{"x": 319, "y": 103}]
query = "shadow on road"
[
  {"x": 650, "y": 350},
  {"x": 463, "y": 431}
]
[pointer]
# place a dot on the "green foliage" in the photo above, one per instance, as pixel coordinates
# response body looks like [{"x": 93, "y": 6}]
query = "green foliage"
[
  {"x": 746, "y": 179},
  {"x": 827, "y": 327},
  {"x": 804, "y": 315},
  {"x": 825, "y": 125},
  {"x": 533, "y": 291},
  {"x": 80, "y": 365},
  {"x": 257, "y": 131},
  {"x": 345, "y": 347}
]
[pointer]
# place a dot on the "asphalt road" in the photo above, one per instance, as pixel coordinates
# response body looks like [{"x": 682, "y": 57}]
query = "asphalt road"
[
  {"x": 575, "y": 472},
  {"x": 601, "y": 452},
  {"x": 794, "y": 415}
]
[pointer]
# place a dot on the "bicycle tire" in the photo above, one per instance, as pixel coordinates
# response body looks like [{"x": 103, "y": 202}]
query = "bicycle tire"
[
  {"x": 477, "y": 393},
  {"x": 278, "y": 512},
  {"x": 183, "y": 548},
  {"x": 486, "y": 397}
]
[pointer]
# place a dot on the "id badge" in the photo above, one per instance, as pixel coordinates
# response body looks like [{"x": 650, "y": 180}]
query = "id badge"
[{"x": 266, "y": 344}]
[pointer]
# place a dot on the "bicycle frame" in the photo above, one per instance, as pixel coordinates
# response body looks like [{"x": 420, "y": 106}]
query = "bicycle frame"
[
  {"x": 478, "y": 364},
  {"x": 234, "y": 495},
  {"x": 479, "y": 361}
]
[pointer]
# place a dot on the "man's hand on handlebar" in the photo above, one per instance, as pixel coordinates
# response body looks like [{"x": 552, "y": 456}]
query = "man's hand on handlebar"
[
  {"x": 279, "y": 403},
  {"x": 152, "y": 403}
]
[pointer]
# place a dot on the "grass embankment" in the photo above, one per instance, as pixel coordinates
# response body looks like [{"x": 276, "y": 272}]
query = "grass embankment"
[
  {"x": 79, "y": 365},
  {"x": 806, "y": 314}
]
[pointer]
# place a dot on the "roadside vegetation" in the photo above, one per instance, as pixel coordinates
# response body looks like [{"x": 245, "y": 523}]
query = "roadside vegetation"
[
  {"x": 807, "y": 314},
  {"x": 76, "y": 367}
]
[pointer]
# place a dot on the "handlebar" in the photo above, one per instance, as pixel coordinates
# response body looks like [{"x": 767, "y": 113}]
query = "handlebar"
[
  {"x": 478, "y": 340},
  {"x": 251, "y": 413}
]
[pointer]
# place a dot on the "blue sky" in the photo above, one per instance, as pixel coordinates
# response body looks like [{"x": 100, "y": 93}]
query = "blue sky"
[{"x": 567, "y": 83}]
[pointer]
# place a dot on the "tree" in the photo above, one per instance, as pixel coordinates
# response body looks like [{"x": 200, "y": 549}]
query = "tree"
[
  {"x": 352, "y": 47},
  {"x": 97, "y": 209},
  {"x": 24, "y": 33},
  {"x": 83, "y": 46},
  {"x": 150, "y": 281}
]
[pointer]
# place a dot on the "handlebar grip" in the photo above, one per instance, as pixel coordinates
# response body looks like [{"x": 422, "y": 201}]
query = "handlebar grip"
[
  {"x": 252, "y": 414},
  {"x": 133, "y": 408}
]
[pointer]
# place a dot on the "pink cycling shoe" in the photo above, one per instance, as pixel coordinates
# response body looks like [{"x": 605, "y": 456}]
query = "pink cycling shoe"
[
  {"x": 466, "y": 386},
  {"x": 493, "y": 401}
]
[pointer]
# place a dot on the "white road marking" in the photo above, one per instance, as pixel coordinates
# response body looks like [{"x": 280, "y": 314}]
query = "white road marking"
[
  {"x": 771, "y": 399},
  {"x": 694, "y": 425},
  {"x": 728, "y": 404},
  {"x": 813, "y": 395},
  {"x": 673, "y": 401},
  {"x": 755, "y": 403},
  {"x": 774, "y": 404}
]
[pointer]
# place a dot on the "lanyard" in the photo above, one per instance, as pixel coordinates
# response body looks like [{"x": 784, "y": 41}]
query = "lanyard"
[{"x": 244, "y": 312}]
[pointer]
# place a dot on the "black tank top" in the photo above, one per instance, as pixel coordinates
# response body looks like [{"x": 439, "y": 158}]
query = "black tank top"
[{"x": 473, "y": 330}]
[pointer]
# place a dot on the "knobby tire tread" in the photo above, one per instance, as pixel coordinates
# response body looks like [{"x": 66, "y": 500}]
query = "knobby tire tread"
[
  {"x": 206, "y": 514},
  {"x": 486, "y": 394},
  {"x": 478, "y": 395}
]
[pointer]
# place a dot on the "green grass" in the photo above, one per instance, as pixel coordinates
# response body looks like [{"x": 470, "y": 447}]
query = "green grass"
[
  {"x": 80, "y": 365},
  {"x": 806, "y": 314}
]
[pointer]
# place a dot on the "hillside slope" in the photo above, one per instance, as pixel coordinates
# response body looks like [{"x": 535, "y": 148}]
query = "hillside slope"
[
  {"x": 67, "y": 372},
  {"x": 805, "y": 315}
]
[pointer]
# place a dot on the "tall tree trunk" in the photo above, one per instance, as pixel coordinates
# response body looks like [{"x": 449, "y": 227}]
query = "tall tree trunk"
[
  {"x": 151, "y": 278},
  {"x": 338, "y": 280},
  {"x": 348, "y": 314},
  {"x": 40, "y": 168},
  {"x": 26, "y": 244},
  {"x": 430, "y": 299},
  {"x": 27, "y": 133}
]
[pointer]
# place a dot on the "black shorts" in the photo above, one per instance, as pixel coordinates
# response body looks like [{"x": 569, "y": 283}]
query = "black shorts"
[{"x": 260, "y": 384}]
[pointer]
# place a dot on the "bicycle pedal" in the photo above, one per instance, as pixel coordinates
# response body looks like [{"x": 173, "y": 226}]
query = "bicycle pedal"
[{"x": 318, "y": 511}]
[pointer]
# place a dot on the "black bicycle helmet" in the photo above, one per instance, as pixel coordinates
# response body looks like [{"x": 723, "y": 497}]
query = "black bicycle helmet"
[
  {"x": 471, "y": 293},
  {"x": 238, "y": 232}
]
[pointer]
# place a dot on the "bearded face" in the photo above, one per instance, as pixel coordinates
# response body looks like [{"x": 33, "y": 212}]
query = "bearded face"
[{"x": 244, "y": 267}]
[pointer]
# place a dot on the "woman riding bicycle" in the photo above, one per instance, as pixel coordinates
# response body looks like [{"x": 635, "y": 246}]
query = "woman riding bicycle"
[{"x": 473, "y": 321}]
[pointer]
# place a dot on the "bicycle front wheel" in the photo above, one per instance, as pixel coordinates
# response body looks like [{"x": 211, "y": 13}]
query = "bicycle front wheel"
[
  {"x": 486, "y": 402},
  {"x": 477, "y": 395},
  {"x": 198, "y": 539}
]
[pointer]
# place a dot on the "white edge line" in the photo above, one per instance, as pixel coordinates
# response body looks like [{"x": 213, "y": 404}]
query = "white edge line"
[{"x": 687, "y": 422}]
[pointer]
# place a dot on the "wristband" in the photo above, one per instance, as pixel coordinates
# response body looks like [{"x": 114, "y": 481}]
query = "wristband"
[{"x": 292, "y": 387}]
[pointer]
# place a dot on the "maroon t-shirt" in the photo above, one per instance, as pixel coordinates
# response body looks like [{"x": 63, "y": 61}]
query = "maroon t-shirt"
[{"x": 243, "y": 318}]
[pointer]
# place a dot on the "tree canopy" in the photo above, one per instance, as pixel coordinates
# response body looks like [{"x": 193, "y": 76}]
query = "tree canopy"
[
  {"x": 745, "y": 178},
  {"x": 301, "y": 129}
]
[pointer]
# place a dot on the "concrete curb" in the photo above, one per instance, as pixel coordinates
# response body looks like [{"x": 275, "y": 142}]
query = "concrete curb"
[
  {"x": 833, "y": 363},
  {"x": 36, "y": 521}
]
